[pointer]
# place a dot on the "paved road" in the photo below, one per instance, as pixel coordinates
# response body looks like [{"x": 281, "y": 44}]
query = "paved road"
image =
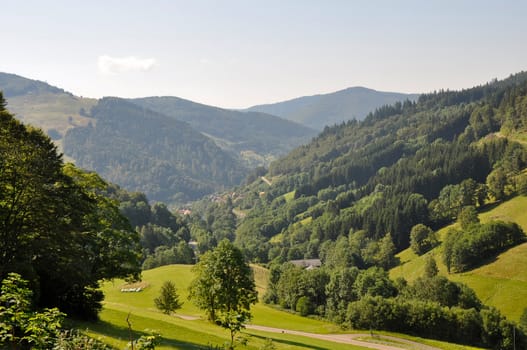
[{"x": 350, "y": 339}]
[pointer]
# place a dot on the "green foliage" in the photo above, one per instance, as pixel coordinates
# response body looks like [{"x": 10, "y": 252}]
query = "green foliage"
[
  {"x": 407, "y": 164},
  {"x": 523, "y": 320},
  {"x": 163, "y": 255},
  {"x": 386, "y": 255},
  {"x": 374, "y": 282},
  {"x": 264, "y": 135},
  {"x": 339, "y": 294},
  {"x": 304, "y": 306},
  {"x": 422, "y": 239},
  {"x": 496, "y": 182},
  {"x": 75, "y": 340},
  {"x": 19, "y": 325},
  {"x": 465, "y": 249},
  {"x": 428, "y": 319},
  {"x": 224, "y": 287},
  {"x": 149, "y": 152},
  {"x": 431, "y": 269},
  {"x": 168, "y": 300},
  {"x": 146, "y": 342},
  {"x": 442, "y": 291},
  {"x": 467, "y": 217},
  {"x": 58, "y": 230}
]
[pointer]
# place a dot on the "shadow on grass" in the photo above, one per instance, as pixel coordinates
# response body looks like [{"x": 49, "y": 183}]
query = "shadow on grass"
[
  {"x": 107, "y": 329},
  {"x": 288, "y": 342}
]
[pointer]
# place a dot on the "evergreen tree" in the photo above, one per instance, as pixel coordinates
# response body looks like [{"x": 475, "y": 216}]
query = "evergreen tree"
[{"x": 168, "y": 300}]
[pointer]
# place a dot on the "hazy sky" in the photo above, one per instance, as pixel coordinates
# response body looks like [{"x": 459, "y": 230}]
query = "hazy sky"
[{"x": 240, "y": 53}]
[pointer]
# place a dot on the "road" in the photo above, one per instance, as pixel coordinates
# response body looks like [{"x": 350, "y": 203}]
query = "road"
[
  {"x": 264, "y": 179},
  {"x": 353, "y": 339}
]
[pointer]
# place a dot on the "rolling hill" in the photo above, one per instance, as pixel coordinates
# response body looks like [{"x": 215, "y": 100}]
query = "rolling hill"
[
  {"x": 318, "y": 111},
  {"x": 257, "y": 137},
  {"x": 214, "y": 150},
  {"x": 39, "y": 104},
  {"x": 500, "y": 282},
  {"x": 352, "y": 196},
  {"x": 145, "y": 151},
  {"x": 187, "y": 330}
]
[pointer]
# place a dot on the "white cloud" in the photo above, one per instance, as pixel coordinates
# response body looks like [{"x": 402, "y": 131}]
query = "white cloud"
[{"x": 115, "y": 65}]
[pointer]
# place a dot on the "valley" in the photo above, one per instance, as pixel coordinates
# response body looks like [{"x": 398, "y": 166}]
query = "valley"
[{"x": 412, "y": 219}]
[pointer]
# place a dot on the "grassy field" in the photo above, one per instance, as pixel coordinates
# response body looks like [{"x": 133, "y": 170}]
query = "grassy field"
[
  {"x": 52, "y": 111},
  {"x": 187, "y": 330},
  {"x": 289, "y": 196},
  {"x": 501, "y": 282}
]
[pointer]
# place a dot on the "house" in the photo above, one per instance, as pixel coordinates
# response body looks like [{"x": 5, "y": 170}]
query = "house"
[{"x": 308, "y": 264}]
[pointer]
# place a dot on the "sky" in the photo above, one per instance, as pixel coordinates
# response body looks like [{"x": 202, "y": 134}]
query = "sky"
[{"x": 236, "y": 54}]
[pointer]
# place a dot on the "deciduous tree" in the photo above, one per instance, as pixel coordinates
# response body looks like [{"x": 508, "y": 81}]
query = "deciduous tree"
[{"x": 224, "y": 287}]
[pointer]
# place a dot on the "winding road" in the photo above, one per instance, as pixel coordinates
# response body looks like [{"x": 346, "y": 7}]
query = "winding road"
[{"x": 353, "y": 339}]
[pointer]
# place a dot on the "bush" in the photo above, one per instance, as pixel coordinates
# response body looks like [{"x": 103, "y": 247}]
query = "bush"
[
  {"x": 422, "y": 239},
  {"x": 304, "y": 306},
  {"x": 463, "y": 250},
  {"x": 20, "y": 327}
]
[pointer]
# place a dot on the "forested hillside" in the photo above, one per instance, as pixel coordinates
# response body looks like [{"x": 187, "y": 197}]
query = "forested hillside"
[
  {"x": 323, "y": 110},
  {"x": 363, "y": 190},
  {"x": 405, "y": 164},
  {"x": 145, "y": 151},
  {"x": 256, "y": 137}
]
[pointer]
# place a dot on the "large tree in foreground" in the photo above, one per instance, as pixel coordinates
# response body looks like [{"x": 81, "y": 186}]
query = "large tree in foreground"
[
  {"x": 224, "y": 287},
  {"x": 57, "y": 229}
]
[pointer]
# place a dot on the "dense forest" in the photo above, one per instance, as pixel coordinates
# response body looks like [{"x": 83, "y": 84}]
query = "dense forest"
[
  {"x": 256, "y": 137},
  {"x": 362, "y": 191},
  {"x": 405, "y": 164},
  {"x": 144, "y": 151}
]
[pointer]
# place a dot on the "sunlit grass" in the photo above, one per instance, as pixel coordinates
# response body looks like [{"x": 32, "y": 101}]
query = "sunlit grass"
[{"x": 501, "y": 282}]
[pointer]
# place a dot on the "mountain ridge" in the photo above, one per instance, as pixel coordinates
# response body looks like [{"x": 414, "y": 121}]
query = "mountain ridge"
[
  {"x": 339, "y": 106},
  {"x": 265, "y": 134},
  {"x": 146, "y": 151}
]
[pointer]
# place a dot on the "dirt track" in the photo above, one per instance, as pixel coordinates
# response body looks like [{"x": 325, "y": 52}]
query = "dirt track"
[{"x": 350, "y": 339}]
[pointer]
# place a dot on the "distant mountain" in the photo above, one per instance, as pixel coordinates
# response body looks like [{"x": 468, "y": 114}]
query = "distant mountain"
[
  {"x": 214, "y": 149},
  {"x": 146, "y": 151},
  {"x": 328, "y": 109},
  {"x": 256, "y": 137},
  {"x": 14, "y": 85}
]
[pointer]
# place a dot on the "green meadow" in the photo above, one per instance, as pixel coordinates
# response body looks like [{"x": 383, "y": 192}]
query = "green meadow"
[
  {"x": 185, "y": 329},
  {"x": 500, "y": 282}
]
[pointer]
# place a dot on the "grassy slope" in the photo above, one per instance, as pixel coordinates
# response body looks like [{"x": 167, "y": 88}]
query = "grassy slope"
[
  {"x": 179, "y": 333},
  {"x": 501, "y": 282},
  {"x": 184, "y": 334},
  {"x": 51, "y": 111}
]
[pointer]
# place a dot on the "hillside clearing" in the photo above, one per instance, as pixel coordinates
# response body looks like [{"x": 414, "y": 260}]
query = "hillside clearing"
[{"x": 502, "y": 282}]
